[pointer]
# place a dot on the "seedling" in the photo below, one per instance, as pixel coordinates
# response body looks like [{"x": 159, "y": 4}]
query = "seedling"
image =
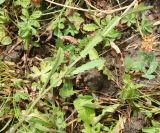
[
  {"x": 76, "y": 20},
  {"x": 146, "y": 25},
  {"x": 71, "y": 30},
  {"x": 28, "y": 26},
  {"x": 129, "y": 90},
  {"x": 85, "y": 107},
  {"x": 129, "y": 19},
  {"x": 145, "y": 63},
  {"x": 57, "y": 26}
]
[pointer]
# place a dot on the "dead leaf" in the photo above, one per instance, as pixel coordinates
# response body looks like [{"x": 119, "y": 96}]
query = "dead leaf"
[
  {"x": 118, "y": 51},
  {"x": 70, "y": 39},
  {"x": 115, "y": 47},
  {"x": 156, "y": 23},
  {"x": 88, "y": 15}
]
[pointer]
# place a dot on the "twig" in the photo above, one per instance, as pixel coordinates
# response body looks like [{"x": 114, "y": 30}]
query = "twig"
[
  {"x": 88, "y": 10},
  {"x": 68, "y": 124},
  {"x": 6, "y": 125},
  {"x": 14, "y": 46},
  {"x": 88, "y": 3},
  {"x": 70, "y": 115}
]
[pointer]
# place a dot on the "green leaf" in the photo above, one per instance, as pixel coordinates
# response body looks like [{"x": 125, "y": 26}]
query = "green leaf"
[
  {"x": 107, "y": 109},
  {"x": 155, "y": 123},
  {"x": 76, "y": 19},
  {"x": 40, "y": 127},
  {"x": 58, "y": 61},
  {"x": 25, "y": 13},
  {"x": 25, "y": 44},
  {"x": 90, "y": 27},
  {"x": 146, "y": 25},
  {"x": 67, "y": 90},
  {"x": 37, "y": 117},
  {"x": 24, "y": 30},
  {"x": 129, "y": 90},
  {"x": 6, "y": 40},
  {"x": 37, "y": 85},
  {"x": 154, "y": 129},
  {"x": 60, "y": 44},
  {"x": 17, "y": 112},
  {"x": 128, "y": 63},
  {"x": 23, "y": 3},
  {"x": 113, "y": 34},
  {"x": 151, "y": 130},
  {"x": 42, "y": 72},
  {"x": 89, "y": 65},
  {"x": 20, "y": 95},
  {"x": 58, "y": 23},
  {"x": 71, "y": 30},
  {"x": 35, "y": 23},
  {"x": 35, "y": 44},
  {"x": 111, "y": 25},
  {"x": 138, "y": 65},
  {"x": 106, "y": 20},
  {"x": 129, "y": 19},
  {"x": 36, "y": 14},
  {"x": 84, "y": 113},
  {"x": 107, "y": 72},
  {"x": 92, "y": 43},
  {"x": 17, "y": 83},
  {"x": 152, "y": 68},
  {"x": 110, "y": 108},
  {"x": 54, "y": 78},
  {"x": 2, "y": 1},
  {"x": 2, "y": 33},
  {"x": 148, "y": 76},
  {"x": 58, "y": 119},
  {"x": 93, "y": 54}
]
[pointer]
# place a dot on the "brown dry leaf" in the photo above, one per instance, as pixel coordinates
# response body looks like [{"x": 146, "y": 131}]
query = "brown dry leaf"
[
  {"x": 70, "y": 39},
  {"x": 156, "y": 23},
  {"x": 116, "y": 48},
  {"x": 88, "y": 15},
  {"x": 100, "y": 14},
  {"x": 151, "y": 17},
  {"x": 120, "y": 125},
  {"x": 68, "y": 12},
  {"x": 118, "y": 51}
]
